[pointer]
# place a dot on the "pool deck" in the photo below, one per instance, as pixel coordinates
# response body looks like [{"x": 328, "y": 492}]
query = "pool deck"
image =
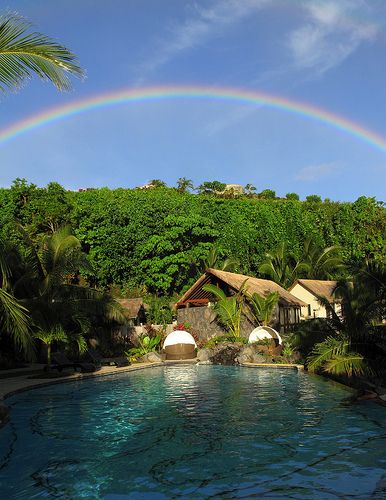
[{"x": 22, "y": 379}]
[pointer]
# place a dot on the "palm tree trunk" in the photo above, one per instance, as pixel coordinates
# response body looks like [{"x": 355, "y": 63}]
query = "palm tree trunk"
[{"x": 49, "y": 357}]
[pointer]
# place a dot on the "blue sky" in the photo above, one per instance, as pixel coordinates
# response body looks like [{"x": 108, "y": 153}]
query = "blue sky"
[{"x": 331, "y": 54}]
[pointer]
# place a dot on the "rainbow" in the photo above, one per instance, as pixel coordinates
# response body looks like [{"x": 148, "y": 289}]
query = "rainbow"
[{"x": 232, "y": 95}]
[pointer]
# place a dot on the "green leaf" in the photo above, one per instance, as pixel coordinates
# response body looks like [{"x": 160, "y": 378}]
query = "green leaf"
[{"x": 23, "y": 53}]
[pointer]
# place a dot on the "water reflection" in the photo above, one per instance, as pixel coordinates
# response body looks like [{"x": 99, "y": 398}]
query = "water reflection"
[{"x": 193, "y": 430}]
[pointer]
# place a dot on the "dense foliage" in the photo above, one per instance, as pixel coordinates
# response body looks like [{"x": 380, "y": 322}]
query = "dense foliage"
[{"x": 156, "y": 237}]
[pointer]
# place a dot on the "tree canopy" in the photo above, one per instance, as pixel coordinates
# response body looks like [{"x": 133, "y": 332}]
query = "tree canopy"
[{"x": 157, "y": 237}]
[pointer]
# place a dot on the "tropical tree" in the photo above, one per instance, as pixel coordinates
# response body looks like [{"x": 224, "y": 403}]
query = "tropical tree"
[
  {"x": 315, "y": 262},
  {"x": 313, "y": 198},
  {"x": 214, "y": 261},
  {"x": 320, "y": 263},
  {"x": 263, "y": 308},
  {"x": 213, "y": 187},
  {"x": 56, "y": 334},
  {"x": 229, "y": 309},
  {"x": 14, "y": 317},
  {"x": 249, "y": 189},
  {"x": 354, "y": 347},
  {"x": 281, "y": 266},
  {"x": 55, "y": 303},
  {"x": 184, "y": 184},
  {"x": 24, "y": 53},
  {"x": 292, "y": 196},
  {"x": 157, "y": 183},
  {"x": 267, "y": 194}
]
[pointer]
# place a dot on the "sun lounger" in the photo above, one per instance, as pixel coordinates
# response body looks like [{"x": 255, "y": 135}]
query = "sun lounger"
[
  {"x": 59, "y": 361},
  {"x": 96, "y": 357}
]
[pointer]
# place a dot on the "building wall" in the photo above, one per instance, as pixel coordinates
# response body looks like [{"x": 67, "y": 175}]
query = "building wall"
[
  {"x": 202, "y": 321},
  {"x": 314, "y": 309}
]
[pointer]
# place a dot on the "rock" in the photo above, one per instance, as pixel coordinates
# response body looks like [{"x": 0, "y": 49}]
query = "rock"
[
  {"x": 248, "y": 350},
  {"x": 243, "y": 358},
  {"x": 204, "y": 362},
  {"x": 152, "y": 357},
  {"x": 383, "y": 397},
  {"x": 368, "y": 395},
  {"x": 250, "y": 354},
  {"x": 204, "y": 354},
  {"x": 259, "y": 358},
  {"x": 226, "y": 354}
]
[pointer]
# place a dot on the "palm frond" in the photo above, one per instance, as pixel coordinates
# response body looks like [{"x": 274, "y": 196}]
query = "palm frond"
[
  {"x": 323, "y": 352},
  {"x": 15, "y": 321},
  {"x": 217, "y": 292},
  {"x": 56, "y": 334},
  {"x": 349, "y": 364},
  {"x": 333, "y": 318},
  {"x": 24, "y": 52},
  {"x": 263, "y": 307}
]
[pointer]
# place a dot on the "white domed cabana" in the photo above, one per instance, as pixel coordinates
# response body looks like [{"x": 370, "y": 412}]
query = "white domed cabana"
[
  {"x": 179, "y": 345},
  {"x": 264, "y": 332}
]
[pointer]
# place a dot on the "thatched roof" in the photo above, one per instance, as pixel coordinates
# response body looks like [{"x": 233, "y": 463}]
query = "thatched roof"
[
  {"x": 319, "y": 288},
  {"x": 131, "y": 307},
  {"x": 197, "y": 295}
]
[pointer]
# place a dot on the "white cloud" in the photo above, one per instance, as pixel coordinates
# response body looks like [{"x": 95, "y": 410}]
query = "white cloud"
[
  {"x": 201, "y": 26},
  {"x": 316, "y": 172},
  {"x": 332, "y": 31}
]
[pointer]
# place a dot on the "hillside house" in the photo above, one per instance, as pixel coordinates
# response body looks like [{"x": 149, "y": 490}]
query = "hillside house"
[{"x": 309, "y": 290}]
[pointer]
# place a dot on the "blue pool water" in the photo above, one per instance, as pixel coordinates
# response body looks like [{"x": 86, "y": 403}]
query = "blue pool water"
[{"x": 196, "y": 432}]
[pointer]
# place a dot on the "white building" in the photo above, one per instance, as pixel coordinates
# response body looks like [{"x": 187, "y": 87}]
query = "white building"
[{"x": 308, "y": 291}]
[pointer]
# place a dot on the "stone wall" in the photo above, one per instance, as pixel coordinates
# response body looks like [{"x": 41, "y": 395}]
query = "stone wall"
[{"x": 202, "y": 321}]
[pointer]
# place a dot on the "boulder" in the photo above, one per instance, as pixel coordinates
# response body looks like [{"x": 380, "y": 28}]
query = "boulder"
[
  {"x": 250, "y": 354},
  {"x": 152, "y": 357},
  {"x": 259, "y": 358},
  {"x": 243, "y": 358},
  {"x": 204, "y": 354},
  {"x": 226, "y": 354}
]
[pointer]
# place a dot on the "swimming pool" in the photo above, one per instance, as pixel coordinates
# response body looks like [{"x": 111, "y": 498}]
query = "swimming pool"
[{"x": 193, "y": 431}]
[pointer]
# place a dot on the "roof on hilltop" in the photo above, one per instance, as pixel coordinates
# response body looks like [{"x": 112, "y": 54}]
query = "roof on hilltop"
[
  {"x": 235, "y": 281},
  {"x": 321, "y": 288}
]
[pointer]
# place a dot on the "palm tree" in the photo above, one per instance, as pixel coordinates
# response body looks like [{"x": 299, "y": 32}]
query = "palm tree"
[
  {"x": 353, "y": 348},
  {"x": 47, "y": 290},
  {"x": 157, "y": 183},
  {"x": 281, "y": 266},
  {"x": 229, "y": 309},
  {"x": 24, "y": 52},
  {"x": 183, "y": 184},
  {"x": 56, "y": 334},
  {"x": 214, "y": 261},
  {"x": 14, "y": 317},
  {"x": 249, "y": 189},
  {"x": 322, "y": 262},
  {"x": 264, "y": 307},
  {"x": 315, "y": 263}
]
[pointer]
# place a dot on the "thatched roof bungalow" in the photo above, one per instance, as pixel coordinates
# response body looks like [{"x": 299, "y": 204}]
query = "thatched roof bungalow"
[
  {"x": 133, "y": 310},
  {"x": 193, "y": 307}
]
